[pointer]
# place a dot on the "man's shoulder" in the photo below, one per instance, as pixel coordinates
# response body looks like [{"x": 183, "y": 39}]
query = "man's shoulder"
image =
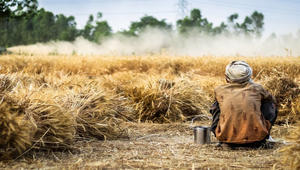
[
  {"x": 229, "y": 85},
  {"x": 259, "y": 86},
  {"x": 222, "y": 86}
]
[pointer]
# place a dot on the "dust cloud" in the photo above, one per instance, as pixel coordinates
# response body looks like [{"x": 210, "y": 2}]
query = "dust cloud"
[{"x": 155, "y": 41}]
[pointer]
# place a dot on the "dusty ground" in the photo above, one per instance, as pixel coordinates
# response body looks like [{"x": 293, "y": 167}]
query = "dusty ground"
[{"x": 154, "y": 146}]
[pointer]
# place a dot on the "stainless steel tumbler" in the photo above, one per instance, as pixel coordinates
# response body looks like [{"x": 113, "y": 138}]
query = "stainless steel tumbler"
[{"x": 202, "y": 134}]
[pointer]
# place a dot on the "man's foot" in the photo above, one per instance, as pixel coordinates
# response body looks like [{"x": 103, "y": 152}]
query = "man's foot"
[{"x": 224, "y": 145}]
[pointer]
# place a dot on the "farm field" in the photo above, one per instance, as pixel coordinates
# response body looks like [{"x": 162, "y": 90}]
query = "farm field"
[{"x": 133, "y": 112}]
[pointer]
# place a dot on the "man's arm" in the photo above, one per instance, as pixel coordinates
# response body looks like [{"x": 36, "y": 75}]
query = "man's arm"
[
  {"x": 215, "y": 112},
  {"x": 268, "y": 106},
  {"x": 267, "y": 96}
]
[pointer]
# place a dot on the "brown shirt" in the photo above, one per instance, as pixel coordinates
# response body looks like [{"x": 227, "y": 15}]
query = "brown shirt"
[{"x": 241, "y": 120}]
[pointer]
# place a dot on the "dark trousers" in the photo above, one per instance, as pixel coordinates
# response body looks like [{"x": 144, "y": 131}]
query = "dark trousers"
[{"x": 268, "y": 109}]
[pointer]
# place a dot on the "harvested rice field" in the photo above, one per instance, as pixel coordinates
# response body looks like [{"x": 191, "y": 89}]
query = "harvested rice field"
[
  {"x": 154, "y": 146},
  {"x": 133, "y": 112}
]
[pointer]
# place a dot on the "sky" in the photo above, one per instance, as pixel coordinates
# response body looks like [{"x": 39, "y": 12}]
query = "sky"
[{"x": 281, "y": 16}]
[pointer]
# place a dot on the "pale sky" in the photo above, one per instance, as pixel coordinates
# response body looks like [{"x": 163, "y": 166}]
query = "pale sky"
[{"x": 281, "y": 16}]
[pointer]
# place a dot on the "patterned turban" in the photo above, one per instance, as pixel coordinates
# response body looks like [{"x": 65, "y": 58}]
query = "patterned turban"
[{"x": 238, "y": 72}]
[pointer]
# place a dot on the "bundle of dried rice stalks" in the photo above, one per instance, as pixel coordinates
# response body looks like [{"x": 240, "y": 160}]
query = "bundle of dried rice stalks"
[
  {"x": 54, "y": 126},
  {"x": 93, "y": 125},
  {"x": 286, "y": 92},
  {"x": 98, "y": 114},
  {"x": 14, "y": 128},
  {"x": 296, "y": 106},
  {"x": 35, "y": 81},
  {"x": 7, "y": 83},
  {"x": 167, "y": 101},
  {"x": 291, "y": 153}
]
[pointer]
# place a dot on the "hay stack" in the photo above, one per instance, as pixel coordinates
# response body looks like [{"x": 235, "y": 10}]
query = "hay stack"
[
  {"x": 7, "y": 83},
  {"x": 286, "y": 92},
  {"x": 167, "y": 101},
  {"x": 291, "y": 153},
  {"x": 283, "y": 88},
  {"x": 296, "y": 107},
  {"x": 54, "y": 126},
  {"x": 15, "y": 130},
  {"x": 98, "y": 115}
]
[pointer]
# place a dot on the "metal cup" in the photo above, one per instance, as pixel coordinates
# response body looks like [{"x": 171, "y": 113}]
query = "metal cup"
[{"x": 202, "y": 134}]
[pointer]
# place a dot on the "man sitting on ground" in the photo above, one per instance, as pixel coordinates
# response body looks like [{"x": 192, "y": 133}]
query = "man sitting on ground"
[{"x": 244, "y": 111}]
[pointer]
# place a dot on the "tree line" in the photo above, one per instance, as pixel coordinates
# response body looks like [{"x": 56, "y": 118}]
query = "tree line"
[{"x": 22, "y": 23}]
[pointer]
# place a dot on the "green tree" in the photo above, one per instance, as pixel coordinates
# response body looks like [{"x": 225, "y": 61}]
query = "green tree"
[
  {"x": 12, "y": 12},
  {"x": 98, "y": 32},
  {"x": 41, "y": 26},
  {"x": 257, "y": 23},
  {"x": 252, "y": 25},
  {"x": 146, "y": 22},
  {"x": 65, "y": 28},
  {"x": 196, "y": 22},
  {"x": 88, "y": 28},
  {"x": 17, "y": 9},
  {"x": 102, "y": 29},
  {"x": 44, "y": 26}
]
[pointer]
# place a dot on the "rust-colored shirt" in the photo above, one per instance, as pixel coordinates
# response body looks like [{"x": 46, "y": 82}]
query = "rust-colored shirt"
[{"x": 241, "y": 120}]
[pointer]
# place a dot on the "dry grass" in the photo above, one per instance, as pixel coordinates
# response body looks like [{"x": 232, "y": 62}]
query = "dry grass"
[
  {"x": 286, "y": 91},
  {"x": 156, "y": 64},
  {"x": 154, "y": 146},
  {"x": 14, "y": 129},
  {"x": 54, "y": 126},
  {"x": 291, "y": 153},
  {"x": 164, "y": 100},
  {"x": 72, "y": 102}
]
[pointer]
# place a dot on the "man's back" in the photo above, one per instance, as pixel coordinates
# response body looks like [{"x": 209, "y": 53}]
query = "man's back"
[{"x": 241, "y": 120}]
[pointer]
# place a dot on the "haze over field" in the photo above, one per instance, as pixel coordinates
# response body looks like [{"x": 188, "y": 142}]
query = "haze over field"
[{"x": 156, "y": 40}]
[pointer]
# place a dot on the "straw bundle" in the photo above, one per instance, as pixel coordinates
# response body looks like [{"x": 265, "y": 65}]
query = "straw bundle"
[
  {"x": 7, "y": 83},
  {"x": 286, "y": 92},
  {"x": 167, "y": 101},
  {"x": 283, "y": 88},
  {"x": 296, "y": 106},
  {"x": 98, "y": 114},
  {"x": 54, "y": 126},
  {"x": 33, "y": 80},
  {"x": 93, "y": 125},
  {"x": 291, "y": 153},
  {"x": 14, "y": 129}
]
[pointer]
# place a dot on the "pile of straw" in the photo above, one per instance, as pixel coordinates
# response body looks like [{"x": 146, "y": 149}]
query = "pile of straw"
[
  {"x": 14, "y": 128},
  {"x": 286, "y": 92},
  {"x": 291, "y": 153},
  {"x": 54, "y": 126},
  {"x": 283, "y": 88},
  {"x": 7, "y": 83},
  {"x": 97, "y": 114},
  {"x": 167, "y": 101}
]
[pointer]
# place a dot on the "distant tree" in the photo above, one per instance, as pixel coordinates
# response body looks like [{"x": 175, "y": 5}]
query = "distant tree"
[
  {"x": 146, "y": 22},
  {"x": 231, "y": 22},
  {"x": 196, "y": 22},
  {"x": 233, "y": 17},
  {"x": 96, "y": 32},
  {"x": 65, "y": 28},
  {"x": 41, "y": 26},
  {"x": 252, "y": 25},
  {"x": 102, "y": 29},
  {"x": 88, "y": 28},
  {"x": 17, "y": 9},
  {"x": 257, "y": 23},
  {"x": 220, "y": 29},
  {"x": 12, "y": 12},
  {"x": 44, "y": 27}
]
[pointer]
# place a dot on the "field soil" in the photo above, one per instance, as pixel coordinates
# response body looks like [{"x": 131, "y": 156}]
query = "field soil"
[{"x": 155, "y": 146}]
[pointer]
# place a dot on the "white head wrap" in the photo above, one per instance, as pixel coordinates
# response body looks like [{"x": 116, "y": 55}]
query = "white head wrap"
[{"x": 238, "y": 72}]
